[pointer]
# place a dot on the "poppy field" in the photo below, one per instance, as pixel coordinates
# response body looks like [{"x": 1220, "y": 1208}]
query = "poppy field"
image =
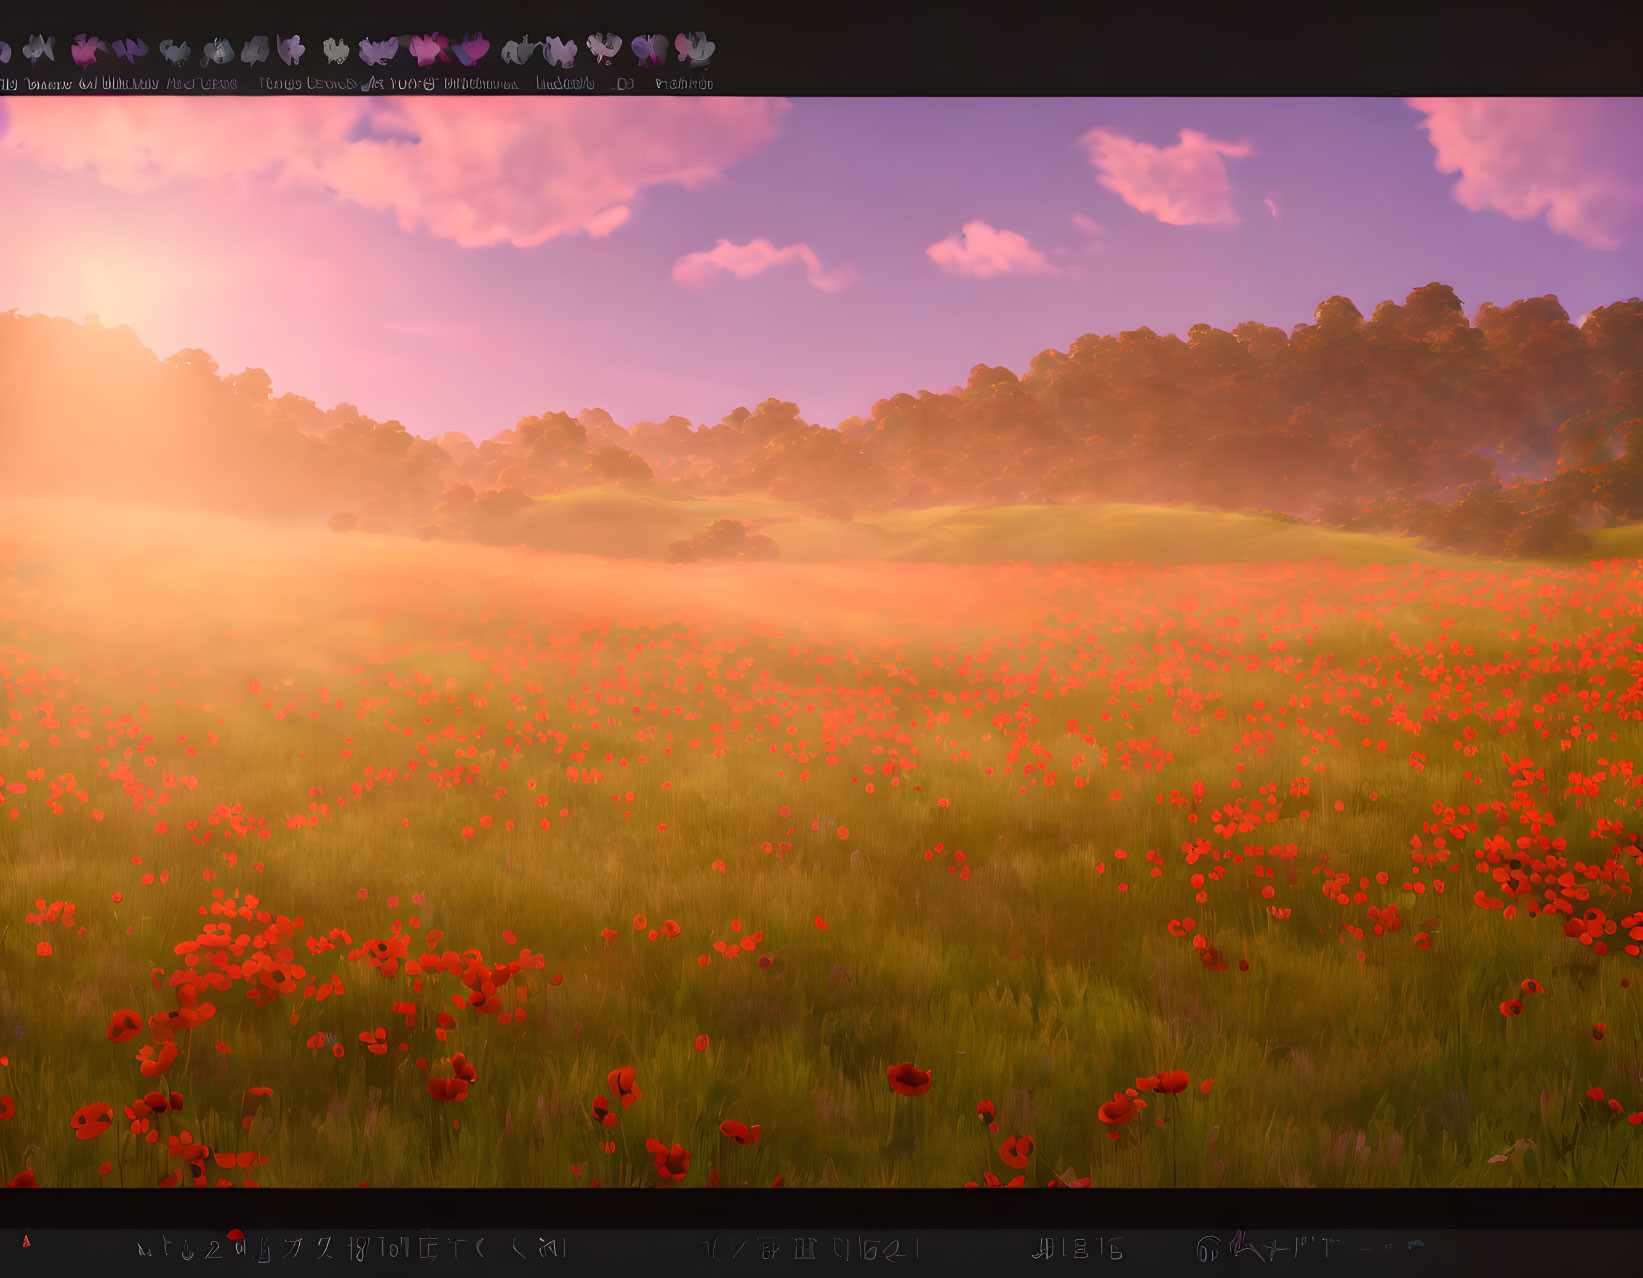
[{"x": 330, "y": 861}]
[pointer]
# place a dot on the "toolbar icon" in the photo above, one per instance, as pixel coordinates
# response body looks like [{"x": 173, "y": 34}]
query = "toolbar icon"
[
  {"x": 86, "y": 48},
  {"x": 377, "y": 53},
  {"x": 650, "y": 50},
  {"x": 471, "y": 50},
  {"x": 694, "y": 48},
  {"x": 429, "y": 49},
  {"x": 518, "y": 52}
]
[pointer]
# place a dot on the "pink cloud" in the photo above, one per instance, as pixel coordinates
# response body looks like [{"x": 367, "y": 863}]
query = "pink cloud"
[
  {"x": 603, "y": 223},
  {"x": 982, "y": 251},
  {"x": 1181, "y": 185},
  {"x": 474, "y": 170},
  {"x": 1529, "y": 158},
  {"x": 1088, "y": 224},
  {"x": 754, "y": 258},
  {"x": 1272, "y": 208}
]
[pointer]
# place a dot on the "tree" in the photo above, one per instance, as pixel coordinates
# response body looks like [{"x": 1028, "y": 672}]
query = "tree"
[
  {"x": 1546, "y": 532},
  {"x": 615, "y": 465},
  {"x": 253, "y": 386},
  {"x": 722, "y": 539}
]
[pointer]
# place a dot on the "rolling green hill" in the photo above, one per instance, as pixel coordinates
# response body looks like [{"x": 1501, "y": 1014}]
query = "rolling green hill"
[
  {"x": 1625, "y": 542},
  {"x": 639, "y": 524}
]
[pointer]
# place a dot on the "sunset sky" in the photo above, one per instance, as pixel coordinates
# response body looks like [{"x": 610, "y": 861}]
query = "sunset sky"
[{"x": 460, "y": 263}]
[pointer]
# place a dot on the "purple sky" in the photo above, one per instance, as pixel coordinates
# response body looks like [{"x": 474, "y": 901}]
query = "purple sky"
[{"x": 459, "y": 263}]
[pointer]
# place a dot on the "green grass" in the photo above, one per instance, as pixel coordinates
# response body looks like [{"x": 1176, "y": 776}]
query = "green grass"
[
  {"x": 1036, "y": 984},
  {"x": 1625, "y": 542},
  {"x": 641, "y": 523},
  {"x": 1117, "y": 532}
]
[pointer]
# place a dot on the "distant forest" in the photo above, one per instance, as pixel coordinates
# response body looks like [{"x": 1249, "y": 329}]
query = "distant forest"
[{"x": 1505, "y": 433}]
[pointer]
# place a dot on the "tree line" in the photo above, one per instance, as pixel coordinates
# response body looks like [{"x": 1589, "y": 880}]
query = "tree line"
[{"x": 1509, "y": 431}]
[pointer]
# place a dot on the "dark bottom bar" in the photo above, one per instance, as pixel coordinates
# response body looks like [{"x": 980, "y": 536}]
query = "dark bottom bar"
[{"x": 59, "y": 1253}]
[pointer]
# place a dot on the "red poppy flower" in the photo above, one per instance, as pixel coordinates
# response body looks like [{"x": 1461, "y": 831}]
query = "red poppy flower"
[
  {"x": 460, "y": 1067},
  {"x": 993, "y": 1182},
  {"x": 1016, "y": 1151},
  {"x": 1532, "y": 986},
  {"x": 622, "y": 1082},
  {"x": 123, "y": 1025},
  {"x": 1173, "y": 1081},
  {"x": 448, "y": 1089},
  {"x": 24, "y": 1180},
  {"x": 1597, "y": 1031},
  {"x": 152, "y": 1065},
  {"x": 91, "y": 1121},
  {"x": 601, "y": 1112},
  {"x": 179, "y": 1018},
  {"x": 1119, "y": 1110},
  {"x": 1511, "y": 1007},
  {"x": 907, "y": 1080},
  {"x": 671, "y": 1163},
  {"x": 984, "y": 1111},
  {"x": 701, "y": 1042},
  {"x": 255, "y": 1096},
  {"x": 740, "y": 1132},
  {"x": 8, "y": 1108}
]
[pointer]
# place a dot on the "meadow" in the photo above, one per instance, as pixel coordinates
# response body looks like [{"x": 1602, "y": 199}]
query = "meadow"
[{"x": 1229, "y": 853}]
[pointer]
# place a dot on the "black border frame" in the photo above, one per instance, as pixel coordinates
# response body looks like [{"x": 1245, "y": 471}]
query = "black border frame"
[{"x": 1513, "y": 47}]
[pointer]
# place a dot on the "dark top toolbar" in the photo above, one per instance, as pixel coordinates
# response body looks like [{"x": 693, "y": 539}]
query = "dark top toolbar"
[
  {"x": 846, "y": 48},
  {"x": 178, "y": 61}
]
